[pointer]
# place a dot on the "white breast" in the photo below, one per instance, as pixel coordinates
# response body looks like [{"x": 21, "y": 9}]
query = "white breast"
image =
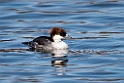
[{"x": 59, "y": 45}]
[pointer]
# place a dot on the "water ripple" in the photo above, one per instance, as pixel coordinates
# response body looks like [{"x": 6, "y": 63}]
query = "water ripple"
[{"x": 95, "y": 49}]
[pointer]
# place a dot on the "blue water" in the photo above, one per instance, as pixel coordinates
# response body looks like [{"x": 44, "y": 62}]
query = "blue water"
[{"x": 96, "y": 50}]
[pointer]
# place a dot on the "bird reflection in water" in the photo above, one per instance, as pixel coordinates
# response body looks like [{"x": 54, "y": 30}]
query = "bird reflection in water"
[{"x": 59, "y": 59}]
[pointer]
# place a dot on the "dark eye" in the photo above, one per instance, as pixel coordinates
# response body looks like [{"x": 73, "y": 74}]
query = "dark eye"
[{"x": 63, "y": 34}]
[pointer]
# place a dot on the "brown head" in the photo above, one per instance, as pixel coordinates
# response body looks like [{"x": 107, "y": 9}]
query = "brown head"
[{"x": 57, "y": 31}]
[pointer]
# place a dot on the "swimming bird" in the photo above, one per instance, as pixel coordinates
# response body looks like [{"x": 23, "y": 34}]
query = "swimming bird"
[{"x": 54, "y": 42}]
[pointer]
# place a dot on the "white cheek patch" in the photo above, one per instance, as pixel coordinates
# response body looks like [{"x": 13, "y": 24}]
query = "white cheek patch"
[{"x": 57, "y": 38}]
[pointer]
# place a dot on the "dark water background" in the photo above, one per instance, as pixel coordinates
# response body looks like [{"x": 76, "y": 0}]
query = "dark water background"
[{"x": 96, "y": 51}]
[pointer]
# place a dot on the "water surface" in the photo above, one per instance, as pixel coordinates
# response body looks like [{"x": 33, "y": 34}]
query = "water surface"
[{"x": 96, "y": 50}]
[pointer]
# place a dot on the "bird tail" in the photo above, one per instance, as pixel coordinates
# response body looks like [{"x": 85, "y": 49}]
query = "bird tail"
[{"x": 31, "y": 44}]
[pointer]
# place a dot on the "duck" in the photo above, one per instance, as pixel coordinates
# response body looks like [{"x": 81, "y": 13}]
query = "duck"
[{"x": 52, "y": 42}]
